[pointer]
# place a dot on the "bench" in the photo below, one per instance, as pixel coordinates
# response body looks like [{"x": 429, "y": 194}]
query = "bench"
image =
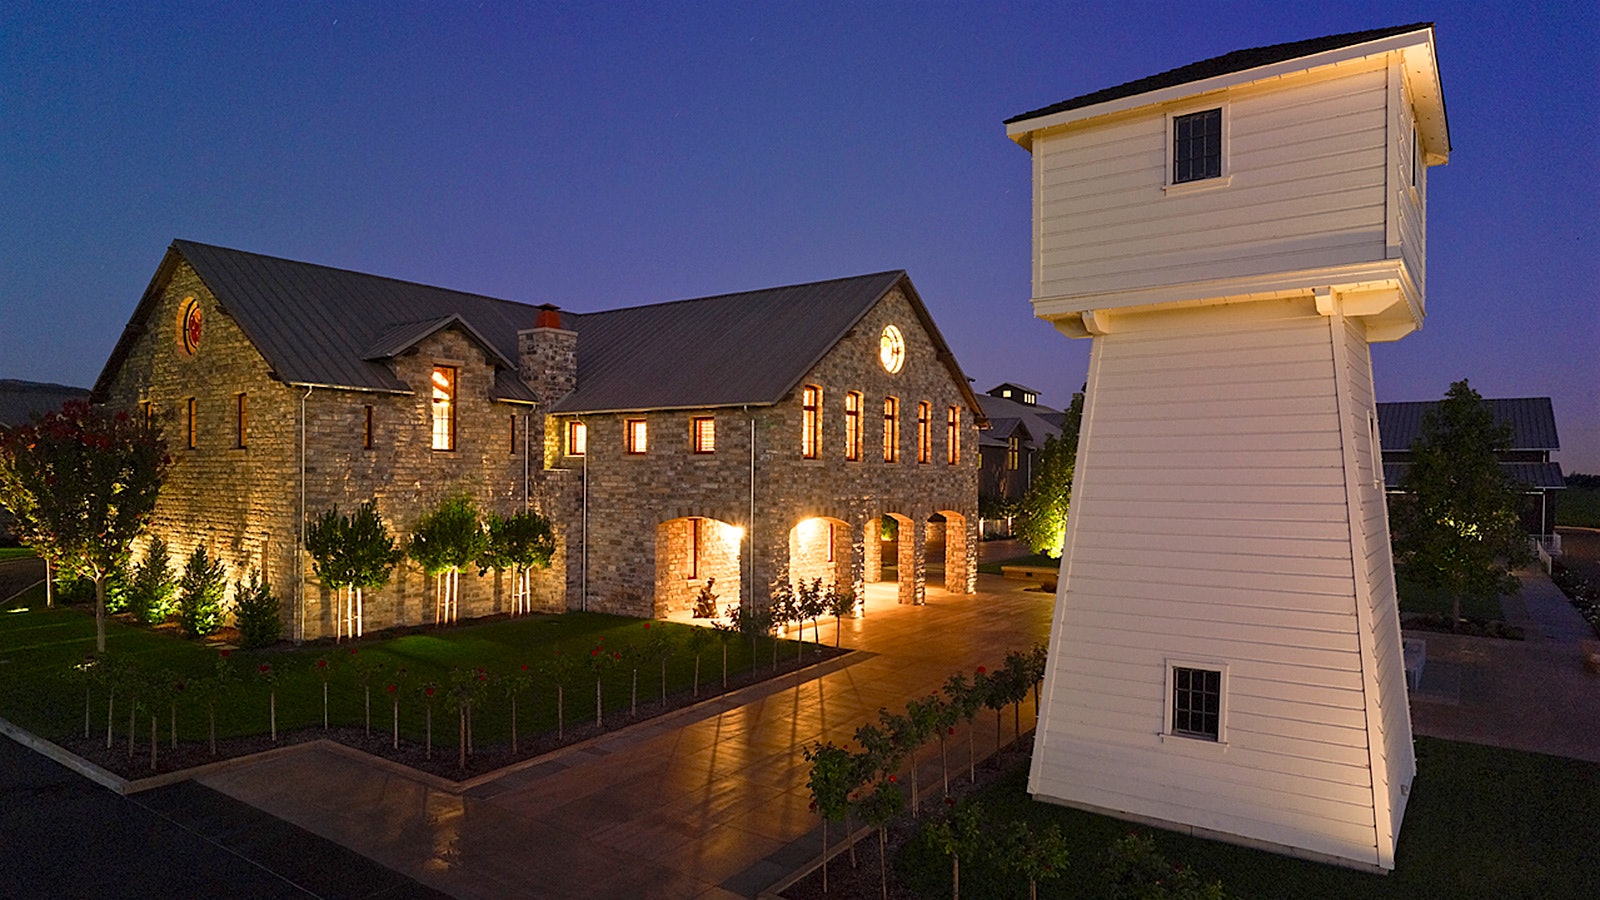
[
  {"x": 1415, "y": 651},
  {"x": 1047, "y": 576}
]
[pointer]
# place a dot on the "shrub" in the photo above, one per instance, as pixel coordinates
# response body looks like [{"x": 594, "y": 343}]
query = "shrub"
[
  {"x": 200, "y": 595},
  {"x": 256, "y": 612},
  {"x": 151, "y": 590}
]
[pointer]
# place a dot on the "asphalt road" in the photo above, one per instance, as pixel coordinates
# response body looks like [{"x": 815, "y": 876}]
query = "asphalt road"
[{"x": 62, "y": 836}]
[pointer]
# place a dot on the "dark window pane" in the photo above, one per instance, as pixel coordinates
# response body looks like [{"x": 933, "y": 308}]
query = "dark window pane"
[{"x": 1197, "y": 146}]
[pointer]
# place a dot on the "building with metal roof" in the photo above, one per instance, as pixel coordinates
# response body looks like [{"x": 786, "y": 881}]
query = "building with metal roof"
[
  {"x": 733, "y": 440},
  {"x": 1531, "y": 424}
]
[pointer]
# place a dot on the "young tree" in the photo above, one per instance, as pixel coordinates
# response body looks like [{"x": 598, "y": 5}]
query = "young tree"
[
  {"x": 962, "y": 833},
  {"x": 256, "y": 611},
  {"x": 518, "y": 544},
  {"x": 152, "y": 585},
  {"x": 200, "y": 593},
  {"x": 444, "y": 542},
  {"x": 834, "y": 774},
  {"x": 841, "y": 602},
  {"x": 82, "y": 484},
  {"x": 1456, "y": 528},
  {"x": 351, "y": 554},
  {"x": 1044, "y": 506}
]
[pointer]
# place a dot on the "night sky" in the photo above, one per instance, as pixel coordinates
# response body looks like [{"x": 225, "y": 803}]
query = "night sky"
[{"x": 597, "y": 155}]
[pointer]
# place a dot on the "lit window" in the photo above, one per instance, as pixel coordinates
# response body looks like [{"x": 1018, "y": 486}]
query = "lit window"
[
  {"x": 703, "y": 434},
  {"x": 1197, "y": 703},
  {"x": 239, "y": 423},
  {"x": 1013, "y": 450},
  {"x": 852, "y": 425},
  {"x": 891, "y": 429},
  {"x": 1197, "y": 146},
  {"x": 924, "y": 432},
  {"x": 577, "y": 438},
  {"x": 366, "y": 431},
  {"x": 952, "y": 427},
  {"x": 444, "y": 407},
  {"x": 189, "y": 439},
  {"x": 638, "y": 436},
  {"x": 811, "y": 422}
]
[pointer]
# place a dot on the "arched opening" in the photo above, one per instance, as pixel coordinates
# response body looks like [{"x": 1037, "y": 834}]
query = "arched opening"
[
  {"x": 820, "y": 547},
  {"x": 693, "y": 554}
]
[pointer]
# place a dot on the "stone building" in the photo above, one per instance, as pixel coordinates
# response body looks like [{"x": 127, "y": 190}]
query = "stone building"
[{"x": 745, "y": 437}]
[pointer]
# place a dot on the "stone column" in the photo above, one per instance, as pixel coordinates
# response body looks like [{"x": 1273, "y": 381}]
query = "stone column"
[{"x": 872, "y": 550}]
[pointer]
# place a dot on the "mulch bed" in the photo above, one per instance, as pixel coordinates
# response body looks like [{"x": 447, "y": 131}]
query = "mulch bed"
[
  {"x": 1470, "y": 626},
  {"x": 443, "y": 760},
  {"x": 864, "y": 881}
]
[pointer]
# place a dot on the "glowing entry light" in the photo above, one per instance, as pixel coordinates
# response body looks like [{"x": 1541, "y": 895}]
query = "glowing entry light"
[{"x": 732, "y": 534}]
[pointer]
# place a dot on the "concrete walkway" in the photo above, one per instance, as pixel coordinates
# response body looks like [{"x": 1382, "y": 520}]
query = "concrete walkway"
[
  {"x": 1533, "y": 694},
  {"x": 710, "y": 802}
]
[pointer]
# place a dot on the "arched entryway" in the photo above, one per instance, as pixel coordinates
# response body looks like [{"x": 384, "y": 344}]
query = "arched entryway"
[
  {"x": 820, "y": 547},
  {"x": 694, "y": 552},
  {"x": 894, "y": 553}
]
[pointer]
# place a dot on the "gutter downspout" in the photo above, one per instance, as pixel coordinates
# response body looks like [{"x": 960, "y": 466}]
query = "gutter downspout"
[
  {"x": 583, "y": 565},
  {"x": 527, "y": 435},
  {"x": 752, "y": 532},
  {"x": 300, "y": 533}
]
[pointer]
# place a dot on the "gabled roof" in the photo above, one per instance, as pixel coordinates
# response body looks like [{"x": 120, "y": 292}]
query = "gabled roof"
[
  {"x": 1532, "y": 421},
  {"x": 1241, "y": 61},
  {"x": 317, "y": 325},
  {"x": 1007, "y": 416}
]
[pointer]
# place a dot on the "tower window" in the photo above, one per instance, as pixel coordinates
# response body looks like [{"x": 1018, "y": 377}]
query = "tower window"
[
  {"x": 366, "y": 430},
  {"x": 952, "y": 437},
  {"x": 189, "y": 431},
  {"x": 577, "y": 439},
  {"x": 239, "y": 422},
  {"x": 1197, "y": 146}
]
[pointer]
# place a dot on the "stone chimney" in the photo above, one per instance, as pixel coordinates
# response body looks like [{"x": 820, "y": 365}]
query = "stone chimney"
[{"x": 547, "y": 356}]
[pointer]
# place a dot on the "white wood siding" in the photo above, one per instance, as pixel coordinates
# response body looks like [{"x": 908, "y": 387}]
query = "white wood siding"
[
  {"x": 1409, "y": 226},
  {"x": 1307, "y": 157},
  {"x": 1211, "y": 522},
  {"x": 1397, "y": 764}
]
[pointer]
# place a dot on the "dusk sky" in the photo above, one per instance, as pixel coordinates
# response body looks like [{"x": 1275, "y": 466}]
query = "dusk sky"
[{"x": 597, "y": 155}]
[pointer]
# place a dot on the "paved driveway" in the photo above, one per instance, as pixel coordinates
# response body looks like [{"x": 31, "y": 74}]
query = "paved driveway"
[{"x": 706, "y": 803}]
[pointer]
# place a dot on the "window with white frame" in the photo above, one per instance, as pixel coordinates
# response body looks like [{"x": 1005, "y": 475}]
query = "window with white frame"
[
  {"x": 1197, "y": 146},
  {"x": 1194, "y": 701}
]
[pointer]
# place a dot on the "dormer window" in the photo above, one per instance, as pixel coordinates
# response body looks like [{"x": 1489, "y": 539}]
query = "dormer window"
[{"x": 1197, "y": 146}]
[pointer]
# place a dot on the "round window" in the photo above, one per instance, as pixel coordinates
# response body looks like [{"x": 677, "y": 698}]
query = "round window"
[{"x": 891, "y": 349}]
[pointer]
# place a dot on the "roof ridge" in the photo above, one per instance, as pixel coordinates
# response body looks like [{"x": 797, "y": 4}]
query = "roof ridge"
[
  {"x": 1241, "y": 60},
  {"x": 775, "y": 287},
  {"x": 344, "y": 271}
]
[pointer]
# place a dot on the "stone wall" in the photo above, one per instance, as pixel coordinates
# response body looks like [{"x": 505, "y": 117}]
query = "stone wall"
[
  {"x": 628, "y": 495},
  {"x": 244, "y": 503}
]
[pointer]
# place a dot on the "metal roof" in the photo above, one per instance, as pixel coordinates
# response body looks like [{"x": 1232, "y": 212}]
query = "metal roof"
[
  {"x": 1226, "y": 64},
  {"x": 728, "y": 350},
  {"x": 317, "y": 325},
  {"x": 20, "y": 401},
  {"x": 1539, "y": 476},
  {"x": 1532, "y": 421},
  {"x": 1039, "y": 422}
]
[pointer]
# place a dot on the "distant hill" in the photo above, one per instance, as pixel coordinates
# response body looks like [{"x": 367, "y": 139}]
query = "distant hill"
[{"x": 20, "y": 401}]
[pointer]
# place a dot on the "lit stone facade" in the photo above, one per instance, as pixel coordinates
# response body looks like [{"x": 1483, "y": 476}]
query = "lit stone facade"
[{"x": 659, "y": 524}]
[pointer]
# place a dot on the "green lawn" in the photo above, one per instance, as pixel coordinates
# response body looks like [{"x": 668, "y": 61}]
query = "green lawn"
[
  {"x": 15, "y": 553},
  {"x": 1427, "y": 601},
  {"x": 1037, "y": 559},
  {"x": 1578, "y": 506},
  {"x": 39, "y": 647},
  {"x": 1482, "y": 822}
]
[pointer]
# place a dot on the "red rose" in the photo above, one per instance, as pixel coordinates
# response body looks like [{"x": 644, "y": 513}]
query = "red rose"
[
  {"x": 893, "y": 780},
  {"x": 428, "y": 690},
  {"x": 524, "y": 667},
  {"x": 391, "y": 688},
  {"x": 322, "y": 664},
  {"x": 226, "y": 653},
  {"x": 265, "y": 668},
  {"x": 981, "y": 669},
  {"x": 352, "y": 651},
  {"x": 647, "y": 628},
  {"x": 952, "y": 729}
]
